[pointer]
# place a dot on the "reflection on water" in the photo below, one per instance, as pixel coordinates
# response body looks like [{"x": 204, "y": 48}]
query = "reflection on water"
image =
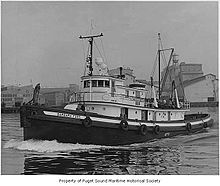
[
  {"x": 190, "y": 154},
  {"x": 145, "y": 160}
]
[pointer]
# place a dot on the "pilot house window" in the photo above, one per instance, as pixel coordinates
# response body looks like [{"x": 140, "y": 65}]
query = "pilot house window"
[
  {"x": 86, "y": 84},
  {"x": 94, "y": 83},
  {"x": 106, "y": 83},
  {"x": 100, "y": 83},
  {"x": 97, "y": 83}
]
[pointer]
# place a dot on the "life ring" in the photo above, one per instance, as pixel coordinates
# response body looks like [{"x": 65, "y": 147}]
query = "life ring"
[
  {"x": 157, "y": 129},
  {"x": 143, "y": 130},
  {"x": 188, "y": 127},
  {"x": 124, "y": 125},
  {"x": 87, "y": 122}
]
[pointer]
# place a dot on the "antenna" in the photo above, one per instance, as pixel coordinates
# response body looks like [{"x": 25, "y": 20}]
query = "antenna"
[{"x": 89, "y": 58}]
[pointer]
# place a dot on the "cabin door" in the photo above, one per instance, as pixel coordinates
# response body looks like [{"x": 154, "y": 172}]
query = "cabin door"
[
  {"x": 144, "y": 115},
  {"x": 124, "y": 112},
  {"x": 112, "y": 88},
  {"x": 138, "y": 95}
]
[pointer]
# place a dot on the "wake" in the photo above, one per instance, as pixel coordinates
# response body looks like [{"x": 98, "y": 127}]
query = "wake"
[{"x": 48, "y": 146}]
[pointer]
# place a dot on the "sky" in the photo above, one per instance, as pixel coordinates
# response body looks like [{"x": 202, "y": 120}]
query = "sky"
[{"x": 40, "y": 40}]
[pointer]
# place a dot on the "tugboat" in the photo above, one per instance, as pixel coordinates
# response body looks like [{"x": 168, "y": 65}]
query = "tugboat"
[{"x": 108, "y": 112}]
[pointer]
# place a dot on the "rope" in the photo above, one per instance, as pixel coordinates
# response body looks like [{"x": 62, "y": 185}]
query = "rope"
[
  {"x": 165, "y": 63},
  {"x": 98, "y": 50},
  {"x": 154, "y": 67},
  {"x": 103, "y": 50}
]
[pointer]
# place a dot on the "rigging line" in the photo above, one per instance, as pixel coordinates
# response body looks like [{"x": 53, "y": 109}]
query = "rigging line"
[
  {"x": 154, "y": 67},
  {"x": 163, "y": 55},
  {"x": 103, "y": 50},
  {"x": 91, "y": 26},
  {"x": 160, "y": 45},
  {"x": 164, "y": 58},
  {"x": 98, "y": 50}
]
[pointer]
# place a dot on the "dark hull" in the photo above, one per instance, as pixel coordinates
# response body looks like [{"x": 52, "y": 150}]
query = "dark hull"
[{"x": 39, "y": 126}]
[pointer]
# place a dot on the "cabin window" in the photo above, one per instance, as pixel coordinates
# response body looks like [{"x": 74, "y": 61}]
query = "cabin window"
[
  {"x": 106, "y": 83},
  {"x": 86, "y": 83},
  {"x": 127, "y": 93},
  {"x": 100, "y": 83},
  {"x": 211, "y": 99},
  {"x": 94, "y": 83},
  {"x": 137, "y": 94}
]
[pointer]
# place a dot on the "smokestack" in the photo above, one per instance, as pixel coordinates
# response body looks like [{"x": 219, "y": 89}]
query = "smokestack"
[{"x": 120, "y": 72}]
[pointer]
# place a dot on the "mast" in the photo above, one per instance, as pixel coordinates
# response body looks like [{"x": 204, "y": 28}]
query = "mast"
[
  {"x": 159, "y": 63},
  {"x": 90, "y": 56},
  {"x": 162, "y": 50}
]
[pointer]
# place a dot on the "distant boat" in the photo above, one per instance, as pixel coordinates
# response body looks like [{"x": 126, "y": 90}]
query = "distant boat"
[{"x": 107, "y": 112}]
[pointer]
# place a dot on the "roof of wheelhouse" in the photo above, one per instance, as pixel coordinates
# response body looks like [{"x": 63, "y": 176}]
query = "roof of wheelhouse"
[{"x": 101, "y": 77}]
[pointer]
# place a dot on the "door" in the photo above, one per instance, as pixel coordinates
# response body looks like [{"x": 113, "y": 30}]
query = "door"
[
  {"x": 112, "y": 88},
  {"x": 144, "y": 115},
  {"x": 124, "y": 112}
]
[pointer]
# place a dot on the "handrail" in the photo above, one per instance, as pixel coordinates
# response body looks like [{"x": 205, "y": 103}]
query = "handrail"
[{"x": 80, "y": 97}]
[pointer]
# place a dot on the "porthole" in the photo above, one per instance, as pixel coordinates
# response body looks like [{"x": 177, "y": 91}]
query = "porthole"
[
  {"x": 33, "y": 113},
  {"x": 103, "y": 108},
  {"x": 136, "y": 112},
  {"x": 92, "y": 108}
]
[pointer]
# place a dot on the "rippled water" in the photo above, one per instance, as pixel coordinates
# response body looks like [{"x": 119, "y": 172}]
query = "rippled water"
[{"x": 182, "y": 155}]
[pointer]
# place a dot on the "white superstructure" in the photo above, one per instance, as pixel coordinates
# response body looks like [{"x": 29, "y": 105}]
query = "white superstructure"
[{"x": 109, "y": 96}]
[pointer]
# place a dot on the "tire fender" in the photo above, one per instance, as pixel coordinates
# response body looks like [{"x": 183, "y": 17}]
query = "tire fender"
[
  {"x": 124, "y": 125},
  {"x": 87, "y": 122},
  {"x": 157, "y": 129},
  {"x": 143, "y": 130},
  {"x": 188, "y": 127}
]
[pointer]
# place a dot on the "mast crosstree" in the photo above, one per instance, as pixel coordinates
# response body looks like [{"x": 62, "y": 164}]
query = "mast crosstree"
[{"x": 90, "y": 56}]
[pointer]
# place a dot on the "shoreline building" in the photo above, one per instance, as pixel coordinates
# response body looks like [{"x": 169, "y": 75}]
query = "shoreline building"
[
  {"x": 15, "y": 96},
  {"x": 202, "y": 89},
  {"x": 191, "y": 83}
]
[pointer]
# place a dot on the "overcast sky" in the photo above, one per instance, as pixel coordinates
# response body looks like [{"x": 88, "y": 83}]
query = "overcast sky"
[{"x": 40, "y": 39}]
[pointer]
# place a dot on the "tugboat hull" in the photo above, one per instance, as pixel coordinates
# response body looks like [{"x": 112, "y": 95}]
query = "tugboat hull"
[{"x": 68, "y": 126}]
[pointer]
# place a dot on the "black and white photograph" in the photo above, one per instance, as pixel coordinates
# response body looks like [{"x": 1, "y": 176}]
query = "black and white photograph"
[{"x": 109, "y": 88}]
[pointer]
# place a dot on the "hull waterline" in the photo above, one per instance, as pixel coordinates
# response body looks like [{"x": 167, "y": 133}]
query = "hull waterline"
[{"x": 69, "y": 127}]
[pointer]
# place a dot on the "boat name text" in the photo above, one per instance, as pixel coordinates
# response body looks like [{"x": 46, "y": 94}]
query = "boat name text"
[{"x": 68, "y": 115}]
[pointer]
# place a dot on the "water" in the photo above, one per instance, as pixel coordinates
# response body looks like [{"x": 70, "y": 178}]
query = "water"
[{"x": 196, "y": 154}]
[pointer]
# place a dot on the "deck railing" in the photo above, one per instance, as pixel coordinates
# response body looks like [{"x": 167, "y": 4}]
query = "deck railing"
[{"x": 120, "y": 98}]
